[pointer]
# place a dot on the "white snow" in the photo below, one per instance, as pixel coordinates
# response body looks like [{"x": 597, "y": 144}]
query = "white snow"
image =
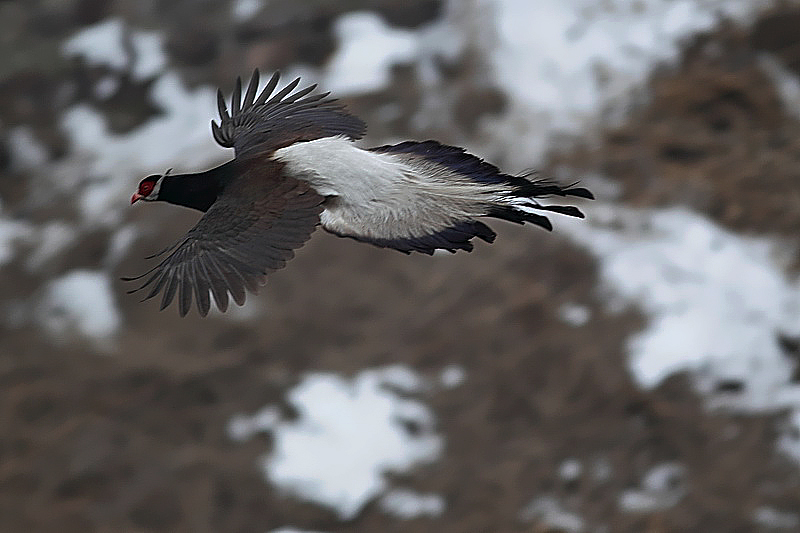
[
  {"x": 252, "y": 308},
  {"x": 243, "y": 427},
  {"x": 107, "y": 43},
  {"x": 452, "y": 376},
  {"x": 52, "y": 239},
  {"x": 100, "y": 44},
  {"x": 771, "y": 518},
  {"x": 118, "y": 246},
  {"x": 27, "y": 153},
  {"x": 662, "y": 488},
  {"x": 408, "y": 504},
  {"x": 349, "y": 433},
  {"x": 244, "y": 10},
  {"x": 563, "y": 63},
  {"x": 715, "y": 301},
  {"x": 181, "y": 135},
  {"x": 367, "y": 49},
  {"x": 570, "y": 470},
  {"x": 548, "y": 512},
  {"x": 575, "y": 315},
  {"x": 785, "y": 81},
  {"x": 12, "y": 232},
  {"x": 148, "y": 54},
  {"x": 789, "y": 441},
  {"x": 80, "y": 301}
]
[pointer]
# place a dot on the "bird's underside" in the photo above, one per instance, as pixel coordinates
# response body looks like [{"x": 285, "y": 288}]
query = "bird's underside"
[{"x": 296, "y": 166}]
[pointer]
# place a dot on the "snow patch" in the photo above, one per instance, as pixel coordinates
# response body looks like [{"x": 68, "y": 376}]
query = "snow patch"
[
  {"x": 244, "y": 10},
  {"x": 367, "y": 49},
  {"x": 148, "y": 54},
  {"x": 575, "y": 315},
  {"x": 570, "y": 470},
  {"x": 563, "y": 63},
  {"x": 548, "y": 512},
  {"x": 111, "y": 43},
  {"x": 80, "y": 301},
  {"x": 786, "y": 83},
  {"x": 662, "y": 487},
  {"x": 243, "y": 427},
  {"x": 181, "y": 135},
  {"x": 688, "y": 276},
  {"x": 348, "y": 434},
  {"x": 789, "y": 441},
  {"x": 53, "y": 238},
  {"x": 452, "y": 376},
  {"x": 250, "y": 310},
  {"x": 408, "y": 504},
  {"x": 771, "y": 518},
  {"x": 121, "y": 241},
  {"x": 27, "y": 153},
  {"x": 716, "y": 303},
  {"x": 11, "y": 233},
  {"x": 100, "y": 44}
]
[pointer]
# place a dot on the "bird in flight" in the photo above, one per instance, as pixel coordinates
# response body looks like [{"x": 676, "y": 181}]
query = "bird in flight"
[{"x": 295, "y": 167}]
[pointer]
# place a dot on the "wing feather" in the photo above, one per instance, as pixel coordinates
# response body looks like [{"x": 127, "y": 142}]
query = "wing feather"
[
  {"x": 271, "y": 84},
  {"x": 252, "y": 87},
  {"x": 251, "y": 230},
  {"x": 264, "y": 123},
  {"x": 170, "y": 288},
  {"x": 201, "y": 286},
  {"x": 236, "y": 108}
]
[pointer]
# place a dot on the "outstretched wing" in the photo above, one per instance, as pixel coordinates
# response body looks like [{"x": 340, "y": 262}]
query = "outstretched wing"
[
  {"x": 264, "y": 123},
  {"x": 250, "y": 231}
]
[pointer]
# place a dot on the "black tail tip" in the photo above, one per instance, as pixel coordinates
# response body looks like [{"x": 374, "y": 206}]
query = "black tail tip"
[{"x": 580, "y": 192}]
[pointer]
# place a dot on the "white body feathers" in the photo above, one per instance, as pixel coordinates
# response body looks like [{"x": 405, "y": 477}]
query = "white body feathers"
[{"x": 386, "y": 195}]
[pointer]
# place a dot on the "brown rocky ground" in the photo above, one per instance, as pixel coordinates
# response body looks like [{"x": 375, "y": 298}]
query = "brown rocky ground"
[{"x": 136, "y": 441}]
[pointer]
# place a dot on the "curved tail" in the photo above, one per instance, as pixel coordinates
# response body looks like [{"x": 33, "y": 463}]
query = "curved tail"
[
  {"x": 519, "y": 200},
  {"x": 521, "y": 204}
]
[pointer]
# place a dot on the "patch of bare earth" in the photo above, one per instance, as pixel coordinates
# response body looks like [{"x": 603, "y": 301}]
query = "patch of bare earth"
[{"x": 136, "y": 440}]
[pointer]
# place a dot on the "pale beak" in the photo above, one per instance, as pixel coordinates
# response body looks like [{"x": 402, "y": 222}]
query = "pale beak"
[{"x": 136, "y": 197}]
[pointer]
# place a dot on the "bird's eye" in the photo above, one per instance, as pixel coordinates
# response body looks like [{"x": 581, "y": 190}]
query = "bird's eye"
[{"x": 145, "y": 188}]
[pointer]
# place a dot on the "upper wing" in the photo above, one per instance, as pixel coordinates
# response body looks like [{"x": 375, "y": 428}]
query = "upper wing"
[
  {"x": 251, "y": 230},
  {"x": 263, "y": 124}
]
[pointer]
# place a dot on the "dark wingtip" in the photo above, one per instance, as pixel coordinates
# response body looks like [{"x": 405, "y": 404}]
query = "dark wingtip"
[
  {"x": 219, "y": 136},
  {"x": 569, "y": 210},
  {"x": 581, "y": 192},
  {"x": 222, "y": 107},
  {"x": 236, "y": 99}
]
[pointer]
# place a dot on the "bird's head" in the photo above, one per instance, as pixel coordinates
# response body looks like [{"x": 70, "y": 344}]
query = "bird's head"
[{"x": 149, "y": 188}]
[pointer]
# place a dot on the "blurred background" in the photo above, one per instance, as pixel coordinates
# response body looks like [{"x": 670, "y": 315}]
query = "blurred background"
[{"x": 636, "y": 371}]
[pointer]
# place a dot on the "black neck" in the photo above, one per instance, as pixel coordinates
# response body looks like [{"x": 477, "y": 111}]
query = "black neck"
[{"x": 197, "y": 191}]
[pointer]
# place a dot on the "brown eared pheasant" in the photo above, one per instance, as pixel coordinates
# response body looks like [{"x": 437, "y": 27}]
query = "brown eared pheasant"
[{"x": 296, "y": 166}]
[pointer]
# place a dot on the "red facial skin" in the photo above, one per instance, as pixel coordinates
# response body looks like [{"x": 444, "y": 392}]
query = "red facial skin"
[{"x": 145, "y": 188}]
